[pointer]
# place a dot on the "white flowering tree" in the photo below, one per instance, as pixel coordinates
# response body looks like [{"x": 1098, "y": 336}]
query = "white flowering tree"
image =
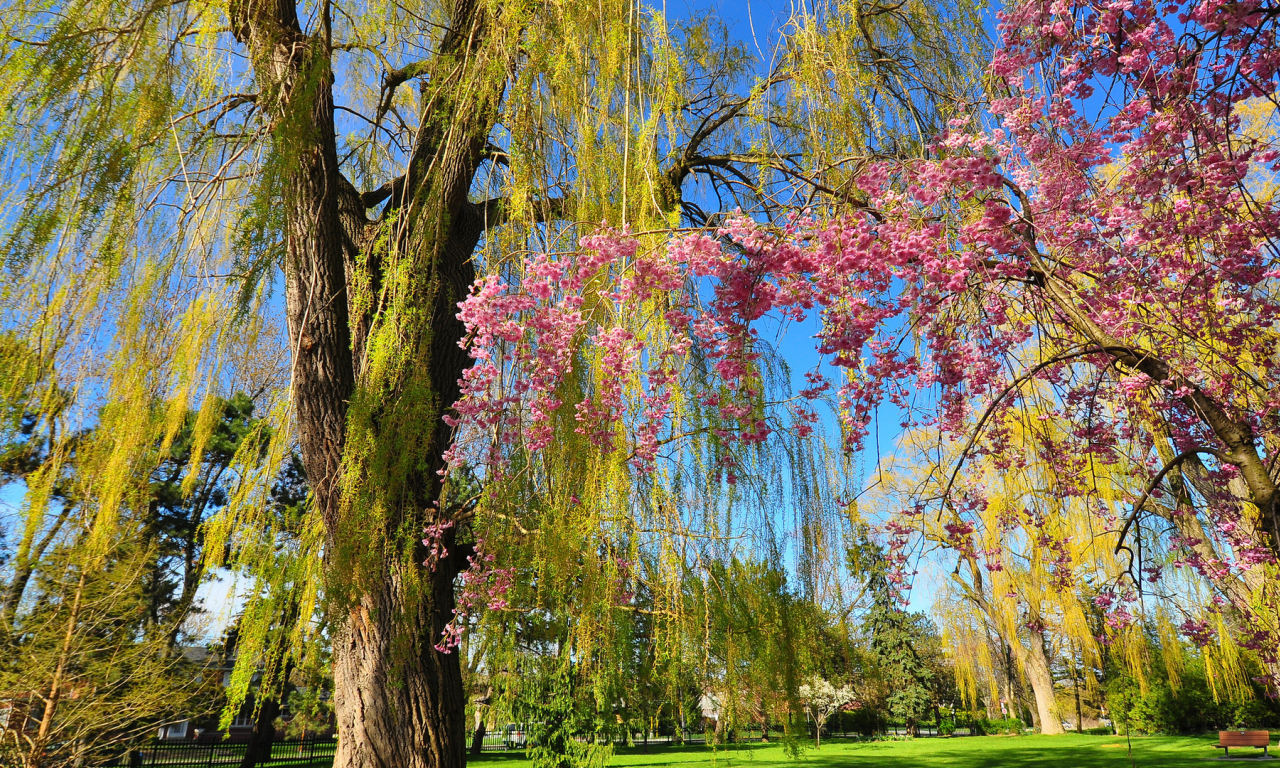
[{"x": 822, "y": 700}]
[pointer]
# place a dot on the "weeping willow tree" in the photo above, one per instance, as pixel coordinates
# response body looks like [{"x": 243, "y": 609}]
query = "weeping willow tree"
[
  {"x": 1030, "y": 560},
  {"x": 203, "y": 195},
  {"x": 1036, "y": 563}
]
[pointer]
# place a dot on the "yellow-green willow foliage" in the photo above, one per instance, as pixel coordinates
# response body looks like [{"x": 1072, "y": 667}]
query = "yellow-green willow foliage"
[
  {"x": 102, "y": 677},
  {"x": 1029, "y": 557},
  {"x": 853, "y": 72},
  {"x": 669, "y": 571},
  {"x": 91, "y": 625},
  {"x": 172, "y": 168},
  {"x": 1037, "y": 558}
]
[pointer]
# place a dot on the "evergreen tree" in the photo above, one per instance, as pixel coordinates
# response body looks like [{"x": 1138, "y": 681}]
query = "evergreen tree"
[
  {"x": 187, "y": 488},
  {"x": 897, "y": 639}
]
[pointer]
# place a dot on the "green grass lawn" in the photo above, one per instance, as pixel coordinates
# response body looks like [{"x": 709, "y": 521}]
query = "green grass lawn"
[{"x": 1070, "y": 751}]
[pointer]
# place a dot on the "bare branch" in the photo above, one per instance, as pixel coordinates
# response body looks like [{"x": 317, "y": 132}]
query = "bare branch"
[{"x": 712, "y": 122}]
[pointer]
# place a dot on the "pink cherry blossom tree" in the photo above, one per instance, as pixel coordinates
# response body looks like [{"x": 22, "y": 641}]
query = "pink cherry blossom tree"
[{"x": 1096, "y": 245}]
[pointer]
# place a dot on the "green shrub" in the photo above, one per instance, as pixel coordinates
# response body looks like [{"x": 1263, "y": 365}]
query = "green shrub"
[
  {"x": 1190, "y": 709},
  {"x": 865, "y": 721},
  {"x": 981, "y": 726},
  {"x": 1007, "y": 725},
  {"x": 977, "y": 724}
]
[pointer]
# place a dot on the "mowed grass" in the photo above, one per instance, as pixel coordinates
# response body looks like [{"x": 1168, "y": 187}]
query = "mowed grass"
[{"x": 1069, "y": 751}]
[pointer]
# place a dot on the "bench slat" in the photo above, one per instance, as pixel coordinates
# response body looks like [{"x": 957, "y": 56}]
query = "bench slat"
[{"x": 1244, "y": 738}]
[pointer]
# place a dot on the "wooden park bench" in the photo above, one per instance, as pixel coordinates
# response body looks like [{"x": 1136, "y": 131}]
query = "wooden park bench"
[{"x": 1229, "y": 739}]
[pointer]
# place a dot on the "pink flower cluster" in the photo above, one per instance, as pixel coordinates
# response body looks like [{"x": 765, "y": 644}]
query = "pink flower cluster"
[
  {"x": 1199, "y": 632},
  {"x": 528, "y": 337},
  {"x": 484, "y": 587},
  {"x": 1074, "y": 231},
  {"x": 434, "y": 541}
]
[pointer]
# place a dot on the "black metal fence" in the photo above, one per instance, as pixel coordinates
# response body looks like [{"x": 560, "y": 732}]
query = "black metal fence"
[{"x": 311, "y": 753}]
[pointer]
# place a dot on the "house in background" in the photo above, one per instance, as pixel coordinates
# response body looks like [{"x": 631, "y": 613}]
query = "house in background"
[
  {"x": 710, "y": 706},
  {"x": 205, "y": 729}
]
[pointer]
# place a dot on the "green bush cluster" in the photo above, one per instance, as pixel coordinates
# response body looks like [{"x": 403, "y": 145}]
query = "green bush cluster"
[
  {"x": 984, "y": 727},
  {"x": 864, "y": 721},
  {"x": 1191, "y": 708},
  {"x": 870, "y": 722}
]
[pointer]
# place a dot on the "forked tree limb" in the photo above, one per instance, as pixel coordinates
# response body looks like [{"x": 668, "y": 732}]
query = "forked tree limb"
[
  {"x": 393, "y": 79},
  {"x": 1237, "y": 436}
]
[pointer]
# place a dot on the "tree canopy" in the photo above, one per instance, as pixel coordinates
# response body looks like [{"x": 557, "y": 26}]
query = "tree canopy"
[{"x": 504, "y": 277}]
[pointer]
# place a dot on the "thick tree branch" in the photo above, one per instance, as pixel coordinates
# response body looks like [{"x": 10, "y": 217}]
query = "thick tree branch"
[
  {"x": 497, "y": 155},
  {"x": 393, "y": 187},
  {"x": 711, "y": 123},
  {"x": 496, "y": 211},
  {"x": 1242, "y": 450},
  {"x": 1236, "y": 586},
  {"x": 374, "y": 197},
  {"x": 393, "y": 79}
]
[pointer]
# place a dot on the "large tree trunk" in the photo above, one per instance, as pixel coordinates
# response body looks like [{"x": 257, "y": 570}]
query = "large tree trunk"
[
  {"x": 398, "y": 706},
  {"x": 1035, "y": 663},
  {"x": 400, "y": 703}
]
